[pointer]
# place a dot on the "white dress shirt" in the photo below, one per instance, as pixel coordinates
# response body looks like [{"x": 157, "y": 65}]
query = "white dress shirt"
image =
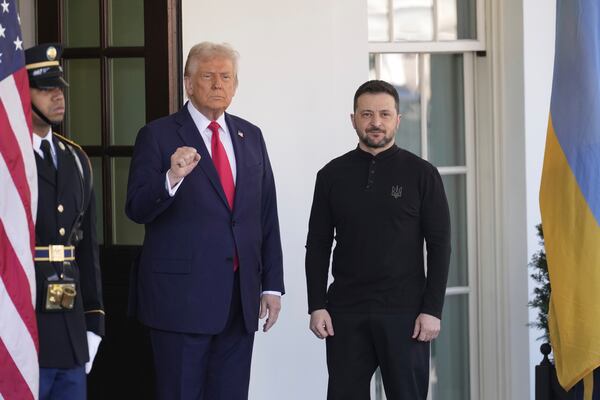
[{"x": 37, "y": 145}]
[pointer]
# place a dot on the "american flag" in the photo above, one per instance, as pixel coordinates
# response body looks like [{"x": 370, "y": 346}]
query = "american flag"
[{"x": 19, "y": 370}]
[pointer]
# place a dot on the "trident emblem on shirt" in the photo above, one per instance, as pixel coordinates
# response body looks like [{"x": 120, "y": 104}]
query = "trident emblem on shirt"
[{"x": 396, "y": 192}]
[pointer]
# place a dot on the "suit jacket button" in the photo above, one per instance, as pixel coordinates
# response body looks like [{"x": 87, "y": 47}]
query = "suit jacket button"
[
  {"x": 232, "y": 223},
  {"x": 61, "y": 231}
]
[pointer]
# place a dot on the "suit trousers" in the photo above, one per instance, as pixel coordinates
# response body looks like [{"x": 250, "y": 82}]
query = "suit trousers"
[
  {"x": 365, "y": 341},
  {"x": 205, "y": 367}
]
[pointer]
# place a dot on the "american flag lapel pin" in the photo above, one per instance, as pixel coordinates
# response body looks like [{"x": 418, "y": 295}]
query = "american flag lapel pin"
[{"x": 241, "y": 134}]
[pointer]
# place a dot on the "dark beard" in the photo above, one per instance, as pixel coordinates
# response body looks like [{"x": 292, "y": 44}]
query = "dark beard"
[{"x": 367, "y": 141}]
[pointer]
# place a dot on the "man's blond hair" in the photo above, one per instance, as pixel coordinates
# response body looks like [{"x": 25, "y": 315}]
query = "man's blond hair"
[{"x": 207, "y": 50}]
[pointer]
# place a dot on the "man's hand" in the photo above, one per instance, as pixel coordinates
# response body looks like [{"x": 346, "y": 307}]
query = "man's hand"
[
  {"x": 183, "y": 161},
  {"x": 427, "y": 328},
  {"x": 320, "y": 323},
  {"x": 272, "y": 304}
]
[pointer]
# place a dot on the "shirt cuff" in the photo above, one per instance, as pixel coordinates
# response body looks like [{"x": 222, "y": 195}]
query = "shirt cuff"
[
  {"x": 273, "y": 292},
  {"x": 171, "y": 190}
]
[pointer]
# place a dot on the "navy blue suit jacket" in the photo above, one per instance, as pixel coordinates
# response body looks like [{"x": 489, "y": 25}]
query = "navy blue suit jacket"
[{"x": 185, "y": 272}]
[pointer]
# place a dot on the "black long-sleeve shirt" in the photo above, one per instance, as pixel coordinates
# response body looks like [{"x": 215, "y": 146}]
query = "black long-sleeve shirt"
[{"x": 379, "y": 209}]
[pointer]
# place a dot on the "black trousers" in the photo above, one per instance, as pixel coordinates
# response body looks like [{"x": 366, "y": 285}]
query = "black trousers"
[{"x": 365, "y": 341}]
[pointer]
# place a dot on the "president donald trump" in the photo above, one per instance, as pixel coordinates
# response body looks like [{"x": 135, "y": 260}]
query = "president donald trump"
[{"x": 211, "y": 264}]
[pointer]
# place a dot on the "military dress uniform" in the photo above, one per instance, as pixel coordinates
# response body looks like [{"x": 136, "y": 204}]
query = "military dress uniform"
[
  {"x": 68, "y": 283},
  {"x": 66, "y": 217}
]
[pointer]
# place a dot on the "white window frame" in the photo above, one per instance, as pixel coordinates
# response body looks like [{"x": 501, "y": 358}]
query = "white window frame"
[{"x": 435, "y": 45}]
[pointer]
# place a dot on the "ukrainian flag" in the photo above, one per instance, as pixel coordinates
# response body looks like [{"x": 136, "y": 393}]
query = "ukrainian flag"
[{"x": 570, "y": 194}]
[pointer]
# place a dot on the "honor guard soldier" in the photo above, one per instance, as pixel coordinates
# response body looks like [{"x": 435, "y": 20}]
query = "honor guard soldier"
[{"x": 69, "y": 305}]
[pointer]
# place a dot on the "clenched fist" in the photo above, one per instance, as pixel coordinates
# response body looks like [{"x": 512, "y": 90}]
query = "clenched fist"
[{"x": 183, "y": 161}]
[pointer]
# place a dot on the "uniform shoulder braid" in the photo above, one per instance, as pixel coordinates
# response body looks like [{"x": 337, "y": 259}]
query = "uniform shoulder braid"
[
  {"x": 84, "y": 166},
  {"x": 79, "y": 150},
  {"x": 65, "y": 139}
]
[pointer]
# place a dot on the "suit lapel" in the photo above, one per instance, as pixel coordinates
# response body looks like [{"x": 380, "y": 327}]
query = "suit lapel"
[
  {"x": 191, "y": 137},
  {"x": 238, "y": 147}
]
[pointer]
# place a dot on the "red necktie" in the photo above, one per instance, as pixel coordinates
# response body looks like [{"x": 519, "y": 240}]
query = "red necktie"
[{"x": 219, "y": 157}]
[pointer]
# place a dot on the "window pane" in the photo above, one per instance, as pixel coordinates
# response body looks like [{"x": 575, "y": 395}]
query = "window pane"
[
  {"x": 98, "y": 193},
  {"x": 128, "y": 105},
  {"x": 446, "y": 124},
  {"x": 82, "y": 26},
  {"x": 126, "y": 22},
  {"x": 447, "y": 29},
  {"x": 450, "y": 352},
  {"x": 125, "y": 231},
  {"x": 402, "y": 71},
  {"x": 372, "y": 68},
  {"x": 83, "y": 101},
  {"x": 378, "y": 20},
  {"x": 456, "y": 192},
  {"x": 456, "y": 19},
  {"x": 413, "y": 20}
]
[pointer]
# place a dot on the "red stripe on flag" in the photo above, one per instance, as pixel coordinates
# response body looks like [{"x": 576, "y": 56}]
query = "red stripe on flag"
[
  {"x": 17, "y": 285},
  {"x": 22, "y": 82},
  {"x": 21, "y": 78},
  {"x": 11, "y": 152},
  {"x": 12, "y": 384}
]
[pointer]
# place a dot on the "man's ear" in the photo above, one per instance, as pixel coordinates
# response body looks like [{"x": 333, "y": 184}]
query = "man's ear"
[
  {"x": 187, "y": 82},
  {"x": 352, "y": 120}
]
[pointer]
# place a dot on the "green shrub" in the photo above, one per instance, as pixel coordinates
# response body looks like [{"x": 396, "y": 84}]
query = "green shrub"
[{"x": 541, "y": 300}]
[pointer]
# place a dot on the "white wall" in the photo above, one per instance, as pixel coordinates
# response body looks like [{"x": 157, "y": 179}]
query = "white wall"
[
  {"x": 300, "y": 65},
  {"x": 539, "y": 22}
]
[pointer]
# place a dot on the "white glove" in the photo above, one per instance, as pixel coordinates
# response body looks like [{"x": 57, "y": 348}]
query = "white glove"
[{"x": 93, "y": 343}]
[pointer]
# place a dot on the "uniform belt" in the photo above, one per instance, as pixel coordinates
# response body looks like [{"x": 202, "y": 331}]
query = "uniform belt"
[{"x": 54, "y": 253}]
